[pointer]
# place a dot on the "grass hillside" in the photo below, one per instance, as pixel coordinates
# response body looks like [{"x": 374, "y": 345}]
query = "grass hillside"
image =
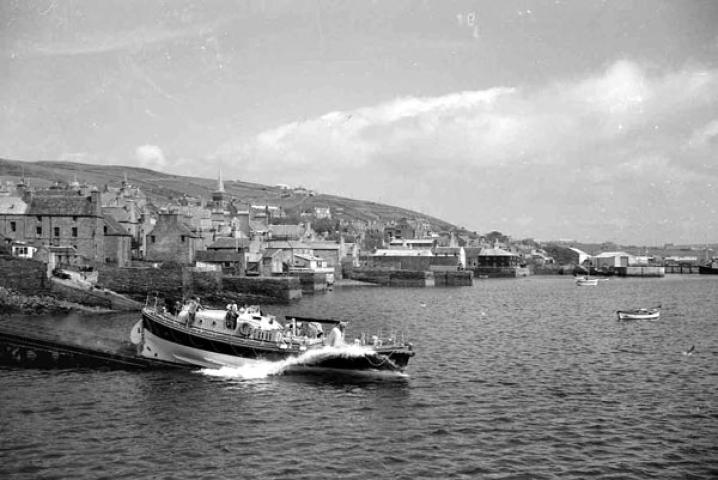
[{"x": 162, "y": 187}]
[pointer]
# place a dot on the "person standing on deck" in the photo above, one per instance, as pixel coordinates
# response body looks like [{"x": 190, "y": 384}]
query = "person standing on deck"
[
  {"x": 193, "y": 306},
  {"x": 336, "y": 335}
]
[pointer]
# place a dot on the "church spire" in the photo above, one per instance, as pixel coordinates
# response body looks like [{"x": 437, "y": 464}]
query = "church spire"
[{"x": 220, "y": 183}]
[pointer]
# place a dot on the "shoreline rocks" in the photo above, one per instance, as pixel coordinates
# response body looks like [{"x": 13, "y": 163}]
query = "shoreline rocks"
[{"x": 12, "y": 301}]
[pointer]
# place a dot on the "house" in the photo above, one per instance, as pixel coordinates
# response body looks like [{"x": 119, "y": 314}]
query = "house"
[
  {"x": 610, "y": 260},
  {"x": 276, "y": 261},
  {"x": 128, "y": 216},
  {"x": 118, "y": 243},
  {"x": 23, "y": 250},
  {"x": 57, "y": 217},
  {"x": 304, "y": 263},
  {"x": 171, "y": 241},
  {"x": 322, "y": 212},
  {"x": 396, "y": 259},
  {"x": 331, "y": 253},
  {"x": 457, "y": 252},
  {"x": 227, "y": 261},
  {"x": 413, "y": 243},
  {"x": 229, "y": 253},
  {"x": 497, "y": 262}
]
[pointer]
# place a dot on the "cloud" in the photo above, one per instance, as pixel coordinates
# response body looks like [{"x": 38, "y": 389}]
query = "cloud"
[
  {"x": 621, "y": 132},
  {"x": 150, "y": 156}
]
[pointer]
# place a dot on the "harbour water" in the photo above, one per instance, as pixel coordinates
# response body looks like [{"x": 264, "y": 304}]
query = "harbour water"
[{"x": 523, "y": 378}]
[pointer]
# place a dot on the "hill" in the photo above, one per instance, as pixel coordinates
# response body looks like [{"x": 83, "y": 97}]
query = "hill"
[{"x": 161, "y": 188}]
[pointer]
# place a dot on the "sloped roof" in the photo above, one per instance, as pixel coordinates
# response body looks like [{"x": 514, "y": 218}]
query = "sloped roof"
[
  {"x": 323, "y": 245},
  {"x": 12, "y": 205},
  {"x": 271, "y": 252},
  {"x": 472, "y": 251},
  {"x": 496, "y": 252},
  {"x": 61, "y": 205},
  {"x": 287, "y": 245},
  {"x": 229, "y": 243},
  {"x": 407, "y": 252},
  {"x": 121, "y": 214},
  {"x": 114, "y": 228},
  {"x": 613, "y": 254},
  {"x": 447, "y": 250},
  {"x": 218, "y": 256},
  {"x": 308, "y": 258},
  {"x": 176, "y": 227}
]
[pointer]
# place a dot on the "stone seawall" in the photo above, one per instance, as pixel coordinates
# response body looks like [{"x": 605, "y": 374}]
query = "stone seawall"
[
  {"x": 214, "y": 287},
  {"x": 453, "y": 279},
  {"x": 312, "y": 282},
  {"x": 276, "y": 289},
  {"x": 393, "y": 278},
  {"x": 24, "y": 276},
  {"x": 138, "y": 282}
]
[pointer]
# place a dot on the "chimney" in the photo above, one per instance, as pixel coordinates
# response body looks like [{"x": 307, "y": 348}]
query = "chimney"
[{"x": 96, "y": 203}]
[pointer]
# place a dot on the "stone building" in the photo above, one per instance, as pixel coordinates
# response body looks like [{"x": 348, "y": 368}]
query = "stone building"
[
  {"x": 118, "y": 243},
  {"x": 58, "y": 218},
  {"x": 171, "y": 241}
]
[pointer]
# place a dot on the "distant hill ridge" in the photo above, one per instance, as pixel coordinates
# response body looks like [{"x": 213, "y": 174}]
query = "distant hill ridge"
[{"x": 163, "y": 187}]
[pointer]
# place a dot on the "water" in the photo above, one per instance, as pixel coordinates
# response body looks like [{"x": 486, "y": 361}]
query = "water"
[{"x": 529, "y": 378}]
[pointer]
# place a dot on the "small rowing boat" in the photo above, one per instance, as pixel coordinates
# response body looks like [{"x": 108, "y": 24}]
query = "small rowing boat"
[
  {"x": 586, "y": 281},
  {"x": 639, "y": 313}
]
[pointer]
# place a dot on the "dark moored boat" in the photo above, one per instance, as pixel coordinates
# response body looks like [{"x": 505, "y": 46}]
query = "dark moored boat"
[
  {"x": 235, "y": 338},
  {"x": 711, "y": 268}
]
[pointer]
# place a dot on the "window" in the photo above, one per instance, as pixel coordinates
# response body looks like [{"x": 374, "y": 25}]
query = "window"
[
  {"x": 74, "y": 218},
  {"x": 182, "y": 237},
  {"x": 56, "y": 231},
  {"x": 39, "y": 218},
  {"x": 152, "y": 239},
  {"x": 13, "y": 226},
  {"x": 74, "y": 231},
  {"x": 104, "y": 229},
  {"x": 38, "y": 230}
]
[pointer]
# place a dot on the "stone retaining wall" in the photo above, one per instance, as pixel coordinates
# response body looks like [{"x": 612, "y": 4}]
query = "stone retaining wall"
[
  {"x": 24, "y": 276},
  {"x": 176, "y": 283}
]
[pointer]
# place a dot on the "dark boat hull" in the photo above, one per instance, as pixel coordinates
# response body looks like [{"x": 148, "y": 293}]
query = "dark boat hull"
[{"x": 707, "y": 270}]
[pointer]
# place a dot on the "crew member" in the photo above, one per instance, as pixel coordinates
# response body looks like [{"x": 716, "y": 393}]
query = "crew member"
[{"x": 336, "y": 335}]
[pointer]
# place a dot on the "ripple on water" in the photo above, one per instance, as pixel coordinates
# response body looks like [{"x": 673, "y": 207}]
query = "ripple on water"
[{"x": 532, "y": 378}]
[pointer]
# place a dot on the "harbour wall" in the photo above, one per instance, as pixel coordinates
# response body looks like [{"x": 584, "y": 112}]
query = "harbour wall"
[
  {"x": 312, "y": 282},
  {"x": 177, "y": 283},
  {"x": 640, "y": 271},
  {"x": 682, "y": 269},
  {"x": 410, "y": 278}
]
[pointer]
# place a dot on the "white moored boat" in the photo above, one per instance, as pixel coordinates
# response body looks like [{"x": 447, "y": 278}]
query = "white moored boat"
[
  {"x": 586, "y": 281},
  {"x": 211, "y": 338},
  {"x": 639, "y": 313}
]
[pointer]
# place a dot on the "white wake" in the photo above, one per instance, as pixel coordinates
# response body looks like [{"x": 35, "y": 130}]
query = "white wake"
[{"x": 265, "y": 368}]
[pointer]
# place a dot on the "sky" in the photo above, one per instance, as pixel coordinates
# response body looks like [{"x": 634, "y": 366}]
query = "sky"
[{"x": 547, "y": 119}]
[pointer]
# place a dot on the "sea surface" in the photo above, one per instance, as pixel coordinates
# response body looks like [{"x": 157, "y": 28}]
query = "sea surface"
[{"x": 529, "y": 378}]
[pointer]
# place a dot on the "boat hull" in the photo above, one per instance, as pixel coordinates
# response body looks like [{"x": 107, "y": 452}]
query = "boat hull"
[
  {"x": 707, "y": 270},
  {"x": 161, "y": 340},
  {"x": 628, "y": 315}
]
